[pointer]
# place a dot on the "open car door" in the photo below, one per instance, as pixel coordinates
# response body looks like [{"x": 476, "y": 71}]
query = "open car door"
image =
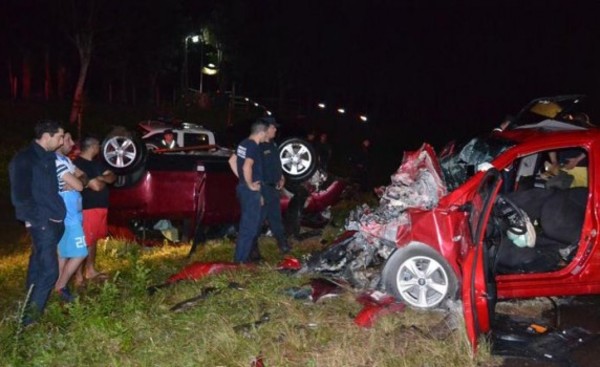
[{"x": 478, "y": 288}]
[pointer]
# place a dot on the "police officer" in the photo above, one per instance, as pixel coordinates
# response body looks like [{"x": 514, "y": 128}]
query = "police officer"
[
  {"x": 246, "y": 163},
  {"x": 273, "y": 183}
]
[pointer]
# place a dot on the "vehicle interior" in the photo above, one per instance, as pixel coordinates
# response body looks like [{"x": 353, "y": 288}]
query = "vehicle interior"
[{"x": 536, "y": 222}]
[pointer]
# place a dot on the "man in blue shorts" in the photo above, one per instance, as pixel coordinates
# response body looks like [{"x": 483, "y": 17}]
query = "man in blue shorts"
[
  {"x": 72, "y": 249},
  {"x": 247, "y": 164}
]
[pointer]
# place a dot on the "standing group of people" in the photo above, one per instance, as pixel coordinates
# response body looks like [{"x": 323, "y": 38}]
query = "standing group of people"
[
  {"x": 258, "y": 167},
  {"x": 63, "y": 205}
]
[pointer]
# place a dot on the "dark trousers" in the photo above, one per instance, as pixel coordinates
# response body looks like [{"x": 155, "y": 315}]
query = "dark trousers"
[
  {"x": 249, "y": 222},
  {"x": 295, "y": 208},
  {"x": 43, "y": 266},
  {"x": 271, "y": 211}
]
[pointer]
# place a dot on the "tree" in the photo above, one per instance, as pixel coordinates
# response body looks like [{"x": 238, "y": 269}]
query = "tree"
[{"x": 82, "y": 31}]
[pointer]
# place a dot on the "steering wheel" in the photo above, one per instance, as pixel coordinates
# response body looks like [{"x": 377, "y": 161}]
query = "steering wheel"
[{"x": 512, "y": 214}]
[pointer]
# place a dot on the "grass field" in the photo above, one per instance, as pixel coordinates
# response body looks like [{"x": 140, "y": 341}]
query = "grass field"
[{"x": 117, "y": 323}]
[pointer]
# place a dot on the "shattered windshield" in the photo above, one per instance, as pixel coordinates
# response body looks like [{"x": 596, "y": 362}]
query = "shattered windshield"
[{"x": 460, "y": 165}]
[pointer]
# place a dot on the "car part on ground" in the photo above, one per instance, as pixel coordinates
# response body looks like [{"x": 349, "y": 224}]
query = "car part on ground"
[
  {"x": 198, "y": 270},
  {"x": 375, "y": 305}
]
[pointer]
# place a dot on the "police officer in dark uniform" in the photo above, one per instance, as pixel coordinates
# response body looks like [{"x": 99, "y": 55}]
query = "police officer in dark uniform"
[
  {"x": 247, "y": 164},
  {"x": 273, "y": 183}
]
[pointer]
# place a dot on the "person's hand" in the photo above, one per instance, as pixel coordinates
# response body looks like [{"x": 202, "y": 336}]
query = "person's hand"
[
  {"x": 571, "y": 163},
  {"x": 254, "y": 186},
  {"x": 281, "y": 183},
  {"x": 553, "y": 169}
]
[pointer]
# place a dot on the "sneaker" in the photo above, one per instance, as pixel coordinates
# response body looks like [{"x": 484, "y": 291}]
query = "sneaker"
[{"x": 65, "y": 295}]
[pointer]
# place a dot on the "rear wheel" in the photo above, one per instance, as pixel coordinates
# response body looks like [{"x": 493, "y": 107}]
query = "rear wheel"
[
  {"x": 419, "y": 276},
  {"x": 298, "y": 159},
  {"x": 123, "y": 154}
]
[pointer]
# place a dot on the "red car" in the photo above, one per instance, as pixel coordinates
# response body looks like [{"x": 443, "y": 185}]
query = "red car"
[{"x": 485, "y": 222}]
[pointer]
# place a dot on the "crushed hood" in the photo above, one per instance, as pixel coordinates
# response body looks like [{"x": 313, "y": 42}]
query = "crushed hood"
[
  {"x": 372, "y": 233},
  {"x": 417, "y": 183}
]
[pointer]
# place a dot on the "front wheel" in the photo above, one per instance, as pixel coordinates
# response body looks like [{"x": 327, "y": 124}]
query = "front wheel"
[
  {"x": 123, "y": 154},
  {"x": 419, "y": 276},
  {"x": 298, "y": 159}
]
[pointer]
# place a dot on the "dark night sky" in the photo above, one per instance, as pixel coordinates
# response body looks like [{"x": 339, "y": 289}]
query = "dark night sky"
[{"x": 412, "y": 65}]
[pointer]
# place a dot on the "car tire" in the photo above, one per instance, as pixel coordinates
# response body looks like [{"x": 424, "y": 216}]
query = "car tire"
[
  {"x": 419, "y": 276},
  {"x": 123, "y": 154},
  {"x": 298, "y": 159}
]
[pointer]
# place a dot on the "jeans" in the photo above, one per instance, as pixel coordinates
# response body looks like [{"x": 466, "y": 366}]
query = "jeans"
[
  {"x": 271, "y": 211},
  {"x": 249, "y": 222},
  {"x": 42, "y": 272}
]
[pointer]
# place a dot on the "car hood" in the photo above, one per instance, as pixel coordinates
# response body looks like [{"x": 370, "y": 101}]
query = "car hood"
[{"x": 417, "y": 184}]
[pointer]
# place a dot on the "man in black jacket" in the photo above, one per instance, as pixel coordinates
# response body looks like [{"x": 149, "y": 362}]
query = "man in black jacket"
[{"x": 34, "y": 194}]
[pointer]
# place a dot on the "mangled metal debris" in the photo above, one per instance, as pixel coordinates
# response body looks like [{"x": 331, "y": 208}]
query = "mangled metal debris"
[
  {"x": 317, "y": 289},
  {"x": 373, "y": 233}
]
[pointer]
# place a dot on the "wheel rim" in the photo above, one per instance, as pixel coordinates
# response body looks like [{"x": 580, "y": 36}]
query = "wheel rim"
[
  {"x": 295, "y": 159},
  {"x": 120, "y": 152},
  {"x": 422, "y": 282}
]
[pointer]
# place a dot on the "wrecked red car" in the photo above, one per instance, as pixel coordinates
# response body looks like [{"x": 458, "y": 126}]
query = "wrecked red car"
[
  {"x": 513, "y": 214},
  {"x": 192, "y": 189}
]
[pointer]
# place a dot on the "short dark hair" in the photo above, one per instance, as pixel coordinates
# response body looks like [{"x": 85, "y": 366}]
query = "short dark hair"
[
  {"x": 87, "y": 142},
  {"x": 258, "y": 126},
  {"x": 46, "y": 126}
]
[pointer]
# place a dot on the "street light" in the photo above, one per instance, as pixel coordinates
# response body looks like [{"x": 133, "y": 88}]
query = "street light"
[{"x": 195, "y": 39}]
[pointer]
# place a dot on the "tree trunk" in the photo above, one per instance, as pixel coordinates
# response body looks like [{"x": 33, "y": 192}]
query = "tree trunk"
[
  {"x": 124, "y": 86},
  {"x": 26, "y": 78},
  {"x": 61, "y": 82},
  {"x": 48, "y": 78},
  {"x": 83, "y": 42},
  {"x": 12, "y": 80}
]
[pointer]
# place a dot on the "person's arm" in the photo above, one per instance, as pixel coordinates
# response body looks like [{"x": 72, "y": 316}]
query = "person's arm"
[
  {"x": 81, "y": 176},
  {"x": 233, "y": 165},
  {"x": 573, "y": 162},
  {"x": 554, "y": 166},
  {"x": 72, "y": 182},
  {"x": 281, "y": 183},
  {"x": 108, "y": 177},
  {"x": 96, "y": 185},
  {"x": 21, "y": 179},
  {"x": 247, "y": 170}
]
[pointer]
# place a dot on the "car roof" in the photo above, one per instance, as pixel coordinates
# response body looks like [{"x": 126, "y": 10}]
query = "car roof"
[{"x": 551, "y": 130}]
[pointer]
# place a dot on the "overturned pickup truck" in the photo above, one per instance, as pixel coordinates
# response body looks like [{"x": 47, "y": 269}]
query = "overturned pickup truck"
[
  {"x": 192, "y": 188},
  {"x": 513, "y": 214}
]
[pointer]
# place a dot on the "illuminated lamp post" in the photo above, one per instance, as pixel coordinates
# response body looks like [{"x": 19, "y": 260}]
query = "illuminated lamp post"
[
  {"x": 209, "y": 69},
  {"x": 194, "y": 39}
]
